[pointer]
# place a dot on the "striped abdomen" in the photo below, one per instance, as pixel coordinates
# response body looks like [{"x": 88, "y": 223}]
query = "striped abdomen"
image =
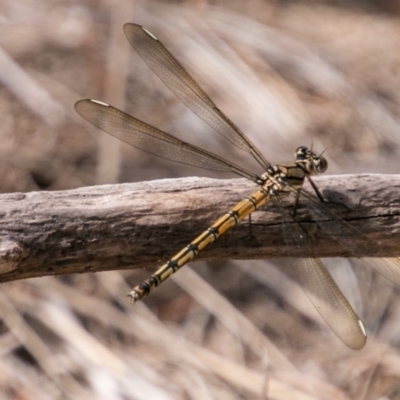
[{"x": 227, "y": 221}]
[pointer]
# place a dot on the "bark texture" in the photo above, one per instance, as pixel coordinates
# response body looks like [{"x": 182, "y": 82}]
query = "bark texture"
[{"x": 143, "y": 224}]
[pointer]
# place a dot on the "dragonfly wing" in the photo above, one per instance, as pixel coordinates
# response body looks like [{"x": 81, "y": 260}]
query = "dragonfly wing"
[
  {"x": 389, "y": 267},
  {"x": 320, "y": 287},
  {"x": 152, "y": 140},
  {"x": 354, "y": 240},
  {"x": 174, "y": 75},
  {"x": 329, "y": 301}
]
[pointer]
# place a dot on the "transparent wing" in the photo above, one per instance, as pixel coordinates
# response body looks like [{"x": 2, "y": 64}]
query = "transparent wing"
[
  {"x": 330, "y": 302},
  {"x": 353, "y": 240},
  {"x": 172, "y": 73},
  {"x": 320, "y": 287},
  {"x": 152, "y": 140}
]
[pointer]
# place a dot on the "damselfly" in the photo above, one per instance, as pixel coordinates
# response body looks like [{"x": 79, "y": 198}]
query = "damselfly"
[{"x": 274, "y": 184}]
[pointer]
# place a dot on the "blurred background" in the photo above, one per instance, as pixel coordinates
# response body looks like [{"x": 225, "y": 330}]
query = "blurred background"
[{"x": 288, "y": 73}]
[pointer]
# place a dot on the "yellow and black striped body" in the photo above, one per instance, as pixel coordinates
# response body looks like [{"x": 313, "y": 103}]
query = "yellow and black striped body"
[
  {"x": 223, "y": 224},
  {"x": 275, "y": 181}
]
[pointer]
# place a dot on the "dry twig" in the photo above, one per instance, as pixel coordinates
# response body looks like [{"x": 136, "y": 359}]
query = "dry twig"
[{"x": 141, "y": 224}]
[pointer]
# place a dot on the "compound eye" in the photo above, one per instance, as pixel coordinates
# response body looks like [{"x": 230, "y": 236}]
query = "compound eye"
[
  {"x": 323, "y": 165},
  {"x": 301, "y": 153}
]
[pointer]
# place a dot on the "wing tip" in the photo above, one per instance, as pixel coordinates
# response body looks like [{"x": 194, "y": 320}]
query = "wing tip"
[
  {"x": 101, "y": 103},
  {"x": 81, "y": 106},
  {"x": 358, "y": 341},
  {"x": 129, "y": 27},
  {"x": 150, "y": 34},
  {"x": 85, "y": 101}
]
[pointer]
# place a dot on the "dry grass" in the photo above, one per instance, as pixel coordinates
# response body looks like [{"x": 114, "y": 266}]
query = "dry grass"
[{"x": 288, "y": 73}]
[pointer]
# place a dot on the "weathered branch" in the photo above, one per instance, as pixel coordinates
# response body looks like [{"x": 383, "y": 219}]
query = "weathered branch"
[{"x": 143, "y": 224}]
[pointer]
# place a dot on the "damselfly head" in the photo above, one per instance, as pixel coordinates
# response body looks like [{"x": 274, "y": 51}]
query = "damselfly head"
[{"x": 311, "y": 162}]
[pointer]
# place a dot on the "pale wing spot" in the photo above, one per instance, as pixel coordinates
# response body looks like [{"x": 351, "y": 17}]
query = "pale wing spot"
[
  {"x": 149, "y": 33},
  {"x": 100, "y": 103},
  {"x": 362, "y": 327}
]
